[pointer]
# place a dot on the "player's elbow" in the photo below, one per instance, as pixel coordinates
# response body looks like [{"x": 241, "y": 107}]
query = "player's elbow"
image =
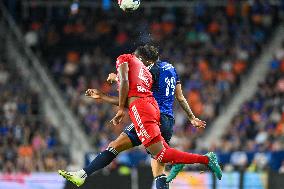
[{"x": 124, "y": 84}]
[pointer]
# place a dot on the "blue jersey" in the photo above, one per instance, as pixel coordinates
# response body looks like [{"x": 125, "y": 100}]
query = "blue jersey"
[{"x": 165, "y": 79}]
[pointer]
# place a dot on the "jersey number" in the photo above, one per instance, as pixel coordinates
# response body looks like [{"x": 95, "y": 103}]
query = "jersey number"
[{"x": 170, "y": 85}]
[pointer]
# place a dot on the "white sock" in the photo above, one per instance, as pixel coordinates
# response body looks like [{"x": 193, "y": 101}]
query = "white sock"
[{"x": 81, "y": 173}]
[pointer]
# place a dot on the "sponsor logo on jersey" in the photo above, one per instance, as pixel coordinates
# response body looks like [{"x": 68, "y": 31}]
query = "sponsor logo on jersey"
[{"x": 141, "y": 89}]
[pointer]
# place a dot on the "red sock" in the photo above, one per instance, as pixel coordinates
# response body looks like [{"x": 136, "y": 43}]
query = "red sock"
[{"x": 171, "y": 155}]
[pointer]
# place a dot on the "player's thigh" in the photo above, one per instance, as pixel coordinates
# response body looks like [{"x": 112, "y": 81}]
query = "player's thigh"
[
  {"x": 132, "y": 135},
  {"x": 167, "y": 124},
  {"x": 158, "y": 168},
  {"x": 121, "y": 143},
  {"x": 145, "y": 117},
  {"x": 155, "y": 147}
]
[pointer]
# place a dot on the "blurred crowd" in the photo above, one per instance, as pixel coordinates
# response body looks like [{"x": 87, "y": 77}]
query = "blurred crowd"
[
  {"x": 211, "y": 47},
  {"x": 259, "y": 124},
  {"x": 28, "y": 141}
]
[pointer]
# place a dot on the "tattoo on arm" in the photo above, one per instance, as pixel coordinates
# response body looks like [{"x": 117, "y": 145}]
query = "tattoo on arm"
[{"x": 183, "y": 103}]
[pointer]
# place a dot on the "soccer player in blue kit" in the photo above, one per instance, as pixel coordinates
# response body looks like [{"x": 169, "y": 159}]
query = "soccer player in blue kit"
[{"x": 165, "y": 88}]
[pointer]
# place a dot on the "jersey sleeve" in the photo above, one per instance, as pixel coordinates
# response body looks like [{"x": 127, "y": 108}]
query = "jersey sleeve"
[
  {"x": 177, "y": 78},
  {"x": 125, "y": 58}
]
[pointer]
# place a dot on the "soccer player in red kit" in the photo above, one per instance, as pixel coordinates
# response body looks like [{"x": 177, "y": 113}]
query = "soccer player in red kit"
[{"x": 134, "y": 83}]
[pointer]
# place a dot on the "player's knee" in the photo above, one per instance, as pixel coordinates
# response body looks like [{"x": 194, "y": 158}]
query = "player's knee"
[
  {"x": 113, "y": 144},
  {"x": 119, "y": 146},
  {"x": 114, "y": 147}
]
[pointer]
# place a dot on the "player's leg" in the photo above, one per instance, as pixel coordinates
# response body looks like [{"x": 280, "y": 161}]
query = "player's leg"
[
  {"x": 167, "y": 124},
  {"x": 163, "y": 153},
  {"x": 158, "y": 170},
  {"x": 104, "y": 158},
  {"x": 126, "y": 140},
  {"x": 145, "y": 116}
]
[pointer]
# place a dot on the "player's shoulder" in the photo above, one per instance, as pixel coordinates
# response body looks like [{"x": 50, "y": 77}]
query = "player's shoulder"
[
  {"x": 154, "y": 69},
  {"x": 124, "y": 58}
]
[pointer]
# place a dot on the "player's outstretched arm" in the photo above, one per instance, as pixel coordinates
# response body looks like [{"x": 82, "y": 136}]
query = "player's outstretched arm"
[
  {"x": 184, "y": 104},
  {"x": 97, "y": 94}
]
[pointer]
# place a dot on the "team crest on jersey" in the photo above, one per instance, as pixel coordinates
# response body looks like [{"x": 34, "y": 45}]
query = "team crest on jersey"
[{"x": 167, "y": 67}]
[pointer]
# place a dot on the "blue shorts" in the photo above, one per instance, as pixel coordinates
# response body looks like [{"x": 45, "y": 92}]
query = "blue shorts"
[{"x": 166, "y": 128}]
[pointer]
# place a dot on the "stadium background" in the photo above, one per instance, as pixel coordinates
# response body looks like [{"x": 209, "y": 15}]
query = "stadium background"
[{"x": 229, "y": 54}]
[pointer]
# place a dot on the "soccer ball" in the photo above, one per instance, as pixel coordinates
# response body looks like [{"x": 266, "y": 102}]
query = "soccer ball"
[{"x": 129, "y": 5}]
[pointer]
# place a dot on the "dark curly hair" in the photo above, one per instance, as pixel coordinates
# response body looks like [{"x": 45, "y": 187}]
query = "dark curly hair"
[{"x": 148, "y": 52}]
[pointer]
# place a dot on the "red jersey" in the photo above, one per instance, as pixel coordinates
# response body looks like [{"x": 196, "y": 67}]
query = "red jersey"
[{"x": 140, "y": 78}]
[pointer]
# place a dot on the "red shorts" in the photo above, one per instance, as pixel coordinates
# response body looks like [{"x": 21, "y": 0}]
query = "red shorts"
[{"x": 145, "y": 115}]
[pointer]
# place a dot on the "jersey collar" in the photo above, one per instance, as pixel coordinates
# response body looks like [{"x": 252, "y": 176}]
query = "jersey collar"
[{"x": 150, "y": 66}]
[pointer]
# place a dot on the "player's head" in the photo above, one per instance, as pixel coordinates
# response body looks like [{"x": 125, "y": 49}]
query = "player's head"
[{"x": 148, "y": 54}]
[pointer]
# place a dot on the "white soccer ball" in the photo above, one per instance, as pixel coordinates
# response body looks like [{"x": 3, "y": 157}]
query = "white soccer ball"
[{"x": 129, "y": 5}]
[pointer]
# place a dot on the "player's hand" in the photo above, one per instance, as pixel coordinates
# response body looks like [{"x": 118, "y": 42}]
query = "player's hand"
[
  {"x": 118, "y": 117},
  {"x": 198, "y": 123},
  {"x": 111, "y": 78},
  {"x": 94, "y": 93}
]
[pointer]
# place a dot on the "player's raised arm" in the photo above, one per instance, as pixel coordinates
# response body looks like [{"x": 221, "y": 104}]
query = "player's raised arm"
[{"x": 184, "y": 104}]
